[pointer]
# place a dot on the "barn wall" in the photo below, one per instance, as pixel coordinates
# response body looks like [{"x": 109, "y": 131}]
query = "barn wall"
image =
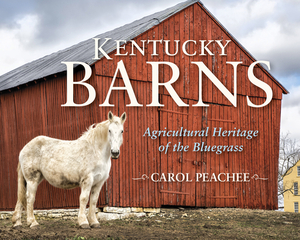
[
  {"x": 195, "y": 23},
  {"x": 36, "y": 110}
]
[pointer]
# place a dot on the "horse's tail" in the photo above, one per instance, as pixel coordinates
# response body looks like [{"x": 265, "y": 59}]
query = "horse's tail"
[
  {"x": 21, "y": 187},
  {"x": 22, "y": 202}
]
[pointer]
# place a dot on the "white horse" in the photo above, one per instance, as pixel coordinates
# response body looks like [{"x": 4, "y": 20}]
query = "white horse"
[{"x": 83, "y": 163}]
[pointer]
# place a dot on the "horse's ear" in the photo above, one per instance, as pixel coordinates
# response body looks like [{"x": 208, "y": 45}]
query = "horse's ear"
[
  {"x": 110, "y": 116},
  {"x": 123, "y": 117}
]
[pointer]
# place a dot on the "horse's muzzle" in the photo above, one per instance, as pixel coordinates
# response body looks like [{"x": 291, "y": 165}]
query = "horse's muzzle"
[{"x": 115, "y": 154}]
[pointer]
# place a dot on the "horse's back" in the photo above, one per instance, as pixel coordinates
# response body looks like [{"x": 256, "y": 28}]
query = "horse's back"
[
  {"x": 33, "y": 149},
  {"x": 38, "y": 151},
  {"x": 60, "y": 162}
]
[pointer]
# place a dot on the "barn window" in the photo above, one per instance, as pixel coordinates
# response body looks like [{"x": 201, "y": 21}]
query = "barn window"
[
  {"x": 296, "y": 207},
  {"x": 298, "y": 171},
  {"x": 295, "y": 188}
]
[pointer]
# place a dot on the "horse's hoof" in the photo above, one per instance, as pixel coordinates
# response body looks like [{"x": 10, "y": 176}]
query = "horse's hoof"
[
  {"x": 84, "y": 226},
  {"x": 18, "y": 227},
  {"x": 95, "y": 225},
  {"x": 35, "y": 227}
]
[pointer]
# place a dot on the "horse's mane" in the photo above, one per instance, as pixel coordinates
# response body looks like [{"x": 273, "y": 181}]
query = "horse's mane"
[{"x": 98, "y": 132}]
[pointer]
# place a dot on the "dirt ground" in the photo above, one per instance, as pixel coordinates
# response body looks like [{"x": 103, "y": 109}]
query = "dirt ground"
[{"x": 176, "y": 223}]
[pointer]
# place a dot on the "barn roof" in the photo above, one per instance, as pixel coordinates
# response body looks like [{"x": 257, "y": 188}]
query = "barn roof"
[{"x": 85, "y": 50}]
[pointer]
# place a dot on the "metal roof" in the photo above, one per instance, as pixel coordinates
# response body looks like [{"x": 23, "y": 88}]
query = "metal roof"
[{"x": 85, "y": 51}]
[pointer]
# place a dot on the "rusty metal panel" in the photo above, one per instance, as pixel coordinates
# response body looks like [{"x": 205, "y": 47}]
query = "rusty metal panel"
[{"x": 8, "y": 143}]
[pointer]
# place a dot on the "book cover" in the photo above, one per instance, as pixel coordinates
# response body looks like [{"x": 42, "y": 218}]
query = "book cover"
[{"x": 203, "y": 101}]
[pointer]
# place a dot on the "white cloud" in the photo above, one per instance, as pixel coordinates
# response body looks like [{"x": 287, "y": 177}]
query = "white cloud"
[
  {"x": 261, "y": 8},
  {"x": 15, "y": 42},
  {"x": 290, "y": 114},
  {"x": 265, "y": 39},
  {"x": 275, "y": 43},
  {"x": 292, "y": 99},
  {"x": 290, "y": 121}
]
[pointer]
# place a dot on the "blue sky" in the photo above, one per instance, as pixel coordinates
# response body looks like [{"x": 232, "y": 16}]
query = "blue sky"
[{"x": 268, "y": 29}]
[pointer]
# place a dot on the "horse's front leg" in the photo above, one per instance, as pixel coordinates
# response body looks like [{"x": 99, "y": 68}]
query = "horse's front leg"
[
  {"x": 93, "y": 202},
  {"x": 86, "y": 186}
]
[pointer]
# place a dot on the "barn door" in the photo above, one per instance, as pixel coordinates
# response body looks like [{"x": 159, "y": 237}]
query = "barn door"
[
  {"x": 187, "y": 174},
  {"x": 178, "y": 165},
  {"x": 210, "y": 191}
]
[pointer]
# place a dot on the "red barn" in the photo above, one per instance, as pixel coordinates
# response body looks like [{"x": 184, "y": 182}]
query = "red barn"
[{"x": 195, "y": 173}]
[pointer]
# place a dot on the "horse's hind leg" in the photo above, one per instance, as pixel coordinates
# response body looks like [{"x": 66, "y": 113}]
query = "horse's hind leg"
[
  {"x": 16, "y": 219},
  {"x": 31, "y": 191}
]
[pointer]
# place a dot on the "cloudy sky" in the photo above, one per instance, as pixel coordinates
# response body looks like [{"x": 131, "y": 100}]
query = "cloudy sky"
[{"x": 269, "y": 29}]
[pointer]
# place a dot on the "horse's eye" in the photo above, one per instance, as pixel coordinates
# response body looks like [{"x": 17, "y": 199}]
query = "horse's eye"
[
  {"x": 109, "y": 131},
  {"x": 122, "y": 131}
]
